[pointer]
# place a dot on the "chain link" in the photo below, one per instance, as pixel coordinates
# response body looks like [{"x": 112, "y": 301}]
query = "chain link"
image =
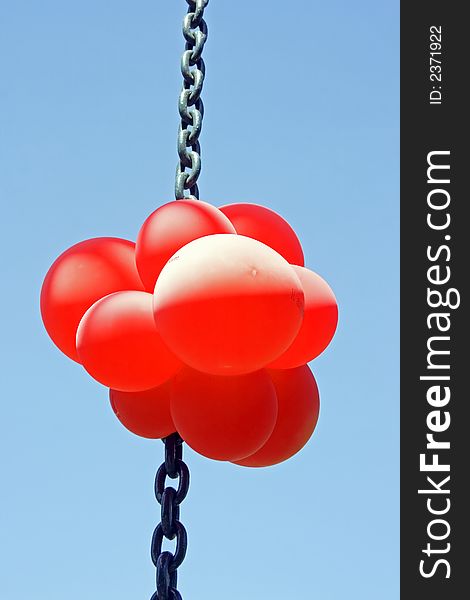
[
  {"x": 170, "y": 526},
  {"x": 190, "y": 106}
]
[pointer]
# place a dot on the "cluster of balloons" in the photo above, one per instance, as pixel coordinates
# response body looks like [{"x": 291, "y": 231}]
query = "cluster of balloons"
[{"x": 203, "y": 326}]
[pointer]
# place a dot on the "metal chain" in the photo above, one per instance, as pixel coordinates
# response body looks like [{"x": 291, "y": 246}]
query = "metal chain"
[
  {"x": 190, "y": 104},
  {"x": 170, "y": 526},
  {"x": 191, "y": 110}
]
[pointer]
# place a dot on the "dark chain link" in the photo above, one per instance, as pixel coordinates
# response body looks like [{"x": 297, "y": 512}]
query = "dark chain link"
[
  {"x": 190, "y": 104},
  {"x": 170, "y": 527}
]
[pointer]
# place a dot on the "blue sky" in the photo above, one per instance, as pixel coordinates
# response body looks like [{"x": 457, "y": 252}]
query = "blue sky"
[{"x": 301, "y": 115}]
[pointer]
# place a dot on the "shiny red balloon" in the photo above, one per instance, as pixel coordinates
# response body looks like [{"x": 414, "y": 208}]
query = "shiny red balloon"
[
  {"x": 224, "y": 418},
  {"x": 119, "y": 345},
  {"x": 298, "y": 408},
  {"x": 145, "y": 413},
  {"x": 170, "y": 227},
  {"x": 265, "y": 225},
  {"x": 228, "y": 304},
  {"x": 318, "y": 326},
  {"x": 78, "y": 278}
]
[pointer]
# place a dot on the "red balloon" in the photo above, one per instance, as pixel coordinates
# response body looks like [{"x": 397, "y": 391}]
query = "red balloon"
[
  {"x": 265, "y": 225},
  {"x": 228, "y": 304},
  {"x": 224, "y": 418},
  {"x": 318, "y": 326},
  {"x": 78, "y": 278},
  {"x": 169, "y": 228},
  {"x": 299, "y": 405},
  {"x": 145, "y": 413},
  {"x": 119, "y": 345}
]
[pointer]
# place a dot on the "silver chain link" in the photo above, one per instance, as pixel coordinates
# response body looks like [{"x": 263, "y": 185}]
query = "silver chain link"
[{"x": 190, "y": 104}]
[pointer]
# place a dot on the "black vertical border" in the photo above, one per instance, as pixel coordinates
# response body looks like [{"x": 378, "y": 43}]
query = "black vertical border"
[{"x": 426, "y": 128}]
